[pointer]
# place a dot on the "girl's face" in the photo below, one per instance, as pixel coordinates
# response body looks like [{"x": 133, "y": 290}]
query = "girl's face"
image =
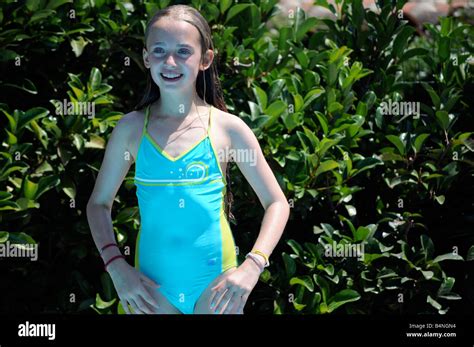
[{"x": 174, "y": 48}]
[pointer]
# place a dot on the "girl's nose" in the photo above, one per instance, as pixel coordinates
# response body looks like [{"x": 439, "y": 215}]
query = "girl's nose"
[{"x": 169, "y": 60}]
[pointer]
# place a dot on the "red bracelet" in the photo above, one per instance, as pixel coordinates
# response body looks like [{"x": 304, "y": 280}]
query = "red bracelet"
[
  {"x": 107, "y": 246},
  {"x": 112, "y": 259}
]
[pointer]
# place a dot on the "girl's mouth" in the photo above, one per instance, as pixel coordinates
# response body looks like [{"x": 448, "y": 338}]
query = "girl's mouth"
[{"x": 171, "y": 77}]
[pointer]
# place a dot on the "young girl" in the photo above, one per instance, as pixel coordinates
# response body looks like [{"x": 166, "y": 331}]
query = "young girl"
[{"x": 185, "y": 259}]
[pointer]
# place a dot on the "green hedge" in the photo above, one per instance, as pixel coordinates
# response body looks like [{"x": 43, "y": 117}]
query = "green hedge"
[{"x": 315, "y": 92}]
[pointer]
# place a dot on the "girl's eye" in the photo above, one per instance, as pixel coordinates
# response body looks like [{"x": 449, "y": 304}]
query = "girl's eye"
[{"x": 181, "y": 51}]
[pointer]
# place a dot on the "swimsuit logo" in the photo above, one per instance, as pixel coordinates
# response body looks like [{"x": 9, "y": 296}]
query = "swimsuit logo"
[{"x": 196, "y": 171}]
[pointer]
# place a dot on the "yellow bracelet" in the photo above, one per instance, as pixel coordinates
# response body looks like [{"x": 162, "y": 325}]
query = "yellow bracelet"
[{"x": 256, "y": 251}]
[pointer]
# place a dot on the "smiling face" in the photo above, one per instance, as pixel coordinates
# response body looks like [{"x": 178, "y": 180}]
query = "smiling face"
[{"x": 173, "y": 47}]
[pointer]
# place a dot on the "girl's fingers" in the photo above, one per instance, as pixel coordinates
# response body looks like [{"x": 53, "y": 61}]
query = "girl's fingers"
[
  {"x": 135, "y": 308},
  {"x": 147, "y": 298},
  {"x": 224, "y": 299},
  {"x": 234, "y": 302},
  {"x": 142, "y": 305},
  {"x": 218, "y": 285},
  {"x": 218, "y": 291}
]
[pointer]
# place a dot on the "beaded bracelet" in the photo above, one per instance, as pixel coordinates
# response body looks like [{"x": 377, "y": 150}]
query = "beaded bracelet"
[{"x": 107, "y": 246}]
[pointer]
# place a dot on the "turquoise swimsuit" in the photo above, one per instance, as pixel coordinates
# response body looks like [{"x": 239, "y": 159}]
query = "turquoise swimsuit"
[{"x": 185, "y": 240}]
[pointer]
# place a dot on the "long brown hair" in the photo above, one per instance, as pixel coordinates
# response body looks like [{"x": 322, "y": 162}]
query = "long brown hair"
[{"x": 208, "y": 85}]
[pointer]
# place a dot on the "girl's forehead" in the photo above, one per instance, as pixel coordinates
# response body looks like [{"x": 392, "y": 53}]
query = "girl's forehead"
[{"x": 173, "y": 32}]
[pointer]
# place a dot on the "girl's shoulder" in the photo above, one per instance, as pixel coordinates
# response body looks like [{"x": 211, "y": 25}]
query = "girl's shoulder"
[
  {"x": 227, "y": 121},
  {"x": 130, "y": 128},
  {"x": 232, "y": 124}
]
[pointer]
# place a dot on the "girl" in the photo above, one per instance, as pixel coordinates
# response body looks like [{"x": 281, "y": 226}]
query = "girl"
[{"x": 185, "y": 259}]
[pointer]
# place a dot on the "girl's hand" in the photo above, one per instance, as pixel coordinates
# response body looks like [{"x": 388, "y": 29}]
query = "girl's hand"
[
  {"x": 131, "y": 286},
  {"x": 234, "y": 289}
]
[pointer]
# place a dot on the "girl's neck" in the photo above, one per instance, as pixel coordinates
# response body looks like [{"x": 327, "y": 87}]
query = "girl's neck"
[{"x": 177, "y": 105}]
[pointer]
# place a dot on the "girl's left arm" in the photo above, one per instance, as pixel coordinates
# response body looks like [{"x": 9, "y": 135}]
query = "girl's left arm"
[
  {"x": 249, "y": 157},
  {"x": 258, "y": 173}
]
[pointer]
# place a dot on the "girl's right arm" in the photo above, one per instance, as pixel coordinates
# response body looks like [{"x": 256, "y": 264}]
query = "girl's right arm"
[{"x": 129, "y": 282}]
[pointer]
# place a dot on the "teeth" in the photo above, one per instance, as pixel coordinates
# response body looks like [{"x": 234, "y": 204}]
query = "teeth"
[{"x": 171, "y": 75}]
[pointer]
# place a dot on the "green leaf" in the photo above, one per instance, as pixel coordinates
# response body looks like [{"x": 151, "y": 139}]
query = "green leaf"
[
  {"x": 401, "y": 40},
  {"x": 433, "y": 302},
  {"x": 47, "y": 183},
  {"x": 32, "y": 5},
  {"x": 446, "y": 26},
  {"x": 224, "y": 5},
  {"x": 365, "y": 233},
  {"x": 95, "y": 141},
  {"x": 305, "y": 281},
  {"x": 307, "y": 25},
  {"x": 29, "y": 188},
  {"x": 40, "y": 15},
  {"x": 323, "y": 285},
  {"x": 312, "y": 95},
  {"x": 413, "y": 53},
  {"x": 101, "y": 304},
  {"x": 95, "y": 80},
  {"x": 323, "y": 121},
  {"x": 444, "y": 48},
  {"x": 296, "y": 247},
  {"x": 428, "y": 246},
  {"x": 443, "y": 119},
  {"x": 420, "y": 139},
  {"x": 235, "y": 10},
  {"x": 126, "y": 215},
  {"x": 446, "y": 287},
  {"x": 21, "y": 238},
  {"x": 261, "y": 97},
  {"x": 433, "y": 95},
  {"x": 447, "y": 256},
  {"x": 276, "y": 109},
  {"x": 440, "y": 199},
  {"x": 335, "y": 107},
  {"x": 52, "y": 4},
  {"x": 11, "y": 138},
  {"x": 397, "y": 142},
  {"x": 290, "y": 264},
  {"x": 30, "y": 115},
  {"x": 78, "y": 45},
  {"x": 3, "y": 236},
  {"x": 326, "y": 166},
  {"x": 366, "y": 164},
  {"x": 470, "y": 254}
]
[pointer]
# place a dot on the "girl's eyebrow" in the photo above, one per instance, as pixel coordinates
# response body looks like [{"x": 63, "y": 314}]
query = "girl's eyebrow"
[{"x": 180, "y": 44}]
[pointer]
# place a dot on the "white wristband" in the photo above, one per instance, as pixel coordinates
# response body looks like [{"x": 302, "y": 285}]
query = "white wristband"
[{"x": 256, "y": 261}]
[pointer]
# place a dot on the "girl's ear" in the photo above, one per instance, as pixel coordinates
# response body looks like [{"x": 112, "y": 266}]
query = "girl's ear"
[
  {"x": 207, "y": 59},
  {"x": 145, "y": 58}
]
